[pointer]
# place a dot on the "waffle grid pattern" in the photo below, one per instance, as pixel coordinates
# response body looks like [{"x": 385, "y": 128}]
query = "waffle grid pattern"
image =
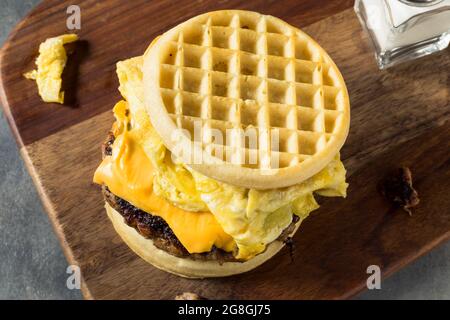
[{"x": 237, "y": 73}]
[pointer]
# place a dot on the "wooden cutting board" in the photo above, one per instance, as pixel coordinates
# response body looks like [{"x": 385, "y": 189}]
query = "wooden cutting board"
[{"x": 399, "y": 117}]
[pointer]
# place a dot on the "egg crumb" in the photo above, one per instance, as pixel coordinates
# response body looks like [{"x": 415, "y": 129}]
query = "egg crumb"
[{"x": 50, "y": 65}]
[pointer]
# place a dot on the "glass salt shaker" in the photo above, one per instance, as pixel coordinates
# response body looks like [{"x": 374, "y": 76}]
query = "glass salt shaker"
[{"x": 403, "y": 30}]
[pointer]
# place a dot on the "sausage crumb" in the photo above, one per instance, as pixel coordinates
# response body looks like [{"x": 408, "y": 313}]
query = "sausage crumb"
[
  {"x": 397, "y": 188},
  {"x": 289, "y": 242}
]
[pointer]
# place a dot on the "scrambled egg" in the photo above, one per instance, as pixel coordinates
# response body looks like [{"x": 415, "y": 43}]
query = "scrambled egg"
[
  {"x": 50, "y": 65},
  {"x": 253, "y": 218}
]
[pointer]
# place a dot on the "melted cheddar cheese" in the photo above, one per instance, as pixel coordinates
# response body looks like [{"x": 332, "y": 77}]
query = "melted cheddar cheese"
[{"x": 128, "y": 173}]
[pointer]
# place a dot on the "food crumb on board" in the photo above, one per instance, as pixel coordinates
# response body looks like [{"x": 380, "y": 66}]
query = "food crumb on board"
[
  {"x": 189, "y": 296},
  {"x": 397, "y": 188}
]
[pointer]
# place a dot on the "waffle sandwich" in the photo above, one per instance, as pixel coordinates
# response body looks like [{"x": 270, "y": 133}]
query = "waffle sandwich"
[{"x": 231, "y": 123}]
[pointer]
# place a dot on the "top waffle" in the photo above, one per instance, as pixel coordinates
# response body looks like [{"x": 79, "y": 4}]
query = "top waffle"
[{"x": 260, "y": 103}]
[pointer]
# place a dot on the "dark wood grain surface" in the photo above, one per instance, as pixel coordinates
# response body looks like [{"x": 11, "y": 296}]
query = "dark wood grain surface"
[{"x": 399, "y": 117}]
